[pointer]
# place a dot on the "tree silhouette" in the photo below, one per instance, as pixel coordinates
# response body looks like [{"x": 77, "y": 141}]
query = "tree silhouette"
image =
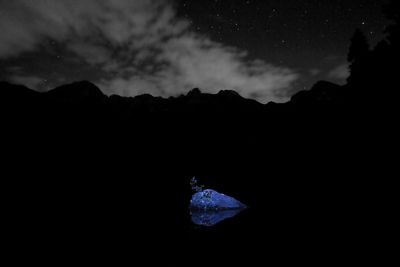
[
  {"x": 195, "y": 186},
  {"x": 391, "y": 53},
  {"x": 392, "y": 12},
  {"x": 358, "y": 55},
  {"x": 359, "y": 47},
  {"x": 373, "y": 72}
]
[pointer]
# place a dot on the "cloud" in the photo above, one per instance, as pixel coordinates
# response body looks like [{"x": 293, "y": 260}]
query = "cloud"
[
  {"x": 32, "y": 82},
  {"x": 142, "y": 46},
  {"x": 91, "y": 53},
  {"x": 314, "y": 72},
  {"x": 192, "y": 61},
  {"x": 340, "y": 73}
]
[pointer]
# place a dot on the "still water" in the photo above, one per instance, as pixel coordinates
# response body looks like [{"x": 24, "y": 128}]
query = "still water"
[
  {"x": 212, "y": 218},
  {"x": 285, "y": 222}
]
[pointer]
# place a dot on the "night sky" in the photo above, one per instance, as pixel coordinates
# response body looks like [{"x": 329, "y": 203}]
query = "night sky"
[{"x": 265, "y": 50}]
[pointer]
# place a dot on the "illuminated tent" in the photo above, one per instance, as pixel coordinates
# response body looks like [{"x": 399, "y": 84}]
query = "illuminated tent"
[{"x": 212, "y": 200}]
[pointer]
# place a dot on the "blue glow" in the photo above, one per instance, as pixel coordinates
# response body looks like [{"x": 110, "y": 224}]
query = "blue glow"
[
  {"x": 211, "y": 218},
  {"x": 209, "y": 207},
  {"x": 212, "y": 200}
]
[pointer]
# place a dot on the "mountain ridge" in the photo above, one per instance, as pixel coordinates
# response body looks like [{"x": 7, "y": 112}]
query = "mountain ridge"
[{"x": 83, "y": 92}]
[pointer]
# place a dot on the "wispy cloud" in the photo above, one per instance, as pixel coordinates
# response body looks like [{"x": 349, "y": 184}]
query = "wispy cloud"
[
  {"x": 141, "y": 46},
  {"x": 32, "y": 82},
  {"x": 314, "y": 72},
  {"x": 340, "y": 73}
]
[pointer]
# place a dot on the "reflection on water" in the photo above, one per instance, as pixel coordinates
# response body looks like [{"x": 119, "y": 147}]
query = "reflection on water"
[{"x": 211, "y": 218}]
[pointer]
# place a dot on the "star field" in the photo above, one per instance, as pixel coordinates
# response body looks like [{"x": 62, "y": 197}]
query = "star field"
[
  {"x": 265, "y": 50},
  {"x": 306, "y": 35}
]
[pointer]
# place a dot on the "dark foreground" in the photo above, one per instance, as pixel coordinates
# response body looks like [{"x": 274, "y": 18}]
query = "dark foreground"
[{"x": 93, "y": 179}]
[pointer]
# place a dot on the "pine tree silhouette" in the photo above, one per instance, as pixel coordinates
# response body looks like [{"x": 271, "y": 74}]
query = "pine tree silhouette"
[
  {"x": 358, "y": 55},
  {"x": 392, "y": 12},
  {"x": 359, "y": 47},
  {"x": 374, "y": 73}
]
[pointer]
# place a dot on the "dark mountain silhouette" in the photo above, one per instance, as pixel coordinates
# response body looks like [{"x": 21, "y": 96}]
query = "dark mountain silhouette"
[
  {"x": 20, "y": 92},
  {"x": 322, "y": 95},
  {"x": 84, "y": 94},
  {"x": 215, "y": 130},
  {"x": 77, "y": 93}
]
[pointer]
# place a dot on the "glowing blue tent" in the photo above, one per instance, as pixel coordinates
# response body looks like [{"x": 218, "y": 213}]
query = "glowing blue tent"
[{"x": 212, "y": 200}]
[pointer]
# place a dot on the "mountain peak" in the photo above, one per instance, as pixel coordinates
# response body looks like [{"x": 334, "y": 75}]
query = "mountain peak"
[
  {"x": 9, "y": 90},
  {"x": 78, "y": 91},
  {"x": 324, "y": 85},
  {"x": 229, "y": 93},
  {"x": 194, "y": 92},
  {"x": 322, "y": 92}
]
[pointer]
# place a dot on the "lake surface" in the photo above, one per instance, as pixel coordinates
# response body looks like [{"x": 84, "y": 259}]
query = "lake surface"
[{"x": 285, "y": 223}]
